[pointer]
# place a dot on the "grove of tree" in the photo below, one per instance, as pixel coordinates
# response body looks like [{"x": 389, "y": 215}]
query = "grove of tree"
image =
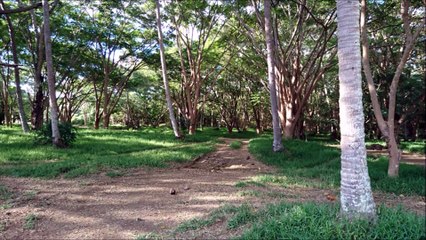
[{"x": 268, "y": 65}]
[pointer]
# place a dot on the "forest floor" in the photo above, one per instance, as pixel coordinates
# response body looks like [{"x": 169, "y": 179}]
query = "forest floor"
[{"x": 140, "y": 202}]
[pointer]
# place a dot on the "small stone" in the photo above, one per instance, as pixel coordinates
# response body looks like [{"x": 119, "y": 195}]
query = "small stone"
[
  {"x": 172, "y": 191},
  {"x": 139, "y": 219},
  {"x": 248, "y": 157},
  {"x": 186, "y": 187}
]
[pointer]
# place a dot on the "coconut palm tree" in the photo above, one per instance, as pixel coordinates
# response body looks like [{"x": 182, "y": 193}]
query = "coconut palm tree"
[{"x": 355, "y": 190}]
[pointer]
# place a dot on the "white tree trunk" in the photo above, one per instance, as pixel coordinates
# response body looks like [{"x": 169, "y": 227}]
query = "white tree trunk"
[
  {"x": 355, "y": 190},
  {"x": 164, "y": 72},
  {"x": 57, "y": 141},
  {"x": 277, "y": 144}
]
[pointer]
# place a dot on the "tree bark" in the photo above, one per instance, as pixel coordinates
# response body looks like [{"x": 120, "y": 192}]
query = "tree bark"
[
  {"x": 277, "y": 143},
  {"x": 37, "y": 106},
  {"x": 388, "y": 128},
  {"x": 355, "y": 191},
  {"x": 22, "y": 116},
  {"x": 164, "y": 73},
  {"x": 56, "y": 136}
]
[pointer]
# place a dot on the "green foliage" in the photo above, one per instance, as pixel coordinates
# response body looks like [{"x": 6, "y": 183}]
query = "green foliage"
[
  {"x": 315, "y": 164},
  {"x": 67, "y": 131},
  {"x": 235, "y": 144}
]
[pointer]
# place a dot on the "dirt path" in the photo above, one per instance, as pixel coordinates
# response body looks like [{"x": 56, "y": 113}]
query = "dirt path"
[
  {"x": 101, "y": 207},
  {"x": 124, "y": 207}
]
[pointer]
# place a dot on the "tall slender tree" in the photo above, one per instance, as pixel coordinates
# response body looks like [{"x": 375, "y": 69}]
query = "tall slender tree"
[
  {"x": 164, "y": 72},
  {"x": 388, "y": 128},
  {"x": 56, "y": 136},
  {"x": 277, "y": 144},
  {"x": 355, "y": 190},
  {"x": 22, "y": 116}
]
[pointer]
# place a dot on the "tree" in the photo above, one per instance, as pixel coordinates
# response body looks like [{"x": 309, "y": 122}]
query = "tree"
[
  {"x": 304, "y": 47},
  {"x": 164, "y": 72},
  {"x": 388, "y": 128},
  {"x": 277, "y": 144},
  {"x": 56, "y": 136},
  {"x": 355, "y": 191},
  {"x": 22, "y": 116},
  {"x": 198, "y": 26}
]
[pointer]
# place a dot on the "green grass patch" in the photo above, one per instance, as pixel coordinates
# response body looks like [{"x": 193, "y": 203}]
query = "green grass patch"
[
  {"x": 414, "y": 147},
  {"x": 250, "y": 193},
  {"x": 242, "y": 184},
  {"x": 30, "y": 221},
  {"x": 235, "y": 144},
  {"x": 310, "y": 220},
  {"x": 314, "y": 164},
  {"x": 98, "y": 150},
  {"x": 407, "y": 146}
]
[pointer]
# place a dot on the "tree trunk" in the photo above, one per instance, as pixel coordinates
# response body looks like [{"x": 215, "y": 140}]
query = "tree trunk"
[
  {"x": 164, "y": 73},
  {"x": 57, "y": 141},
  {"x": 5, "y": 101},
  {"x": 388, "y": 128},
  {"x": 277, "y": 144},
  {"x": 38, "y": 104},
  {"x": 22, "y": 116},
  {"x": 193, "y": 122},
  {"x": 105, "y": 114},
  {"x": 355, "y": 191}
]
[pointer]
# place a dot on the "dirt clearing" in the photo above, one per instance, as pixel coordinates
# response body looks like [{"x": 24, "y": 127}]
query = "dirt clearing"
[{"x": 140, "y": 202}]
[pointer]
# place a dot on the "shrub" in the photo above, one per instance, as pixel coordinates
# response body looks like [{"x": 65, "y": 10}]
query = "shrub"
[{"x": 67, "y": 131}]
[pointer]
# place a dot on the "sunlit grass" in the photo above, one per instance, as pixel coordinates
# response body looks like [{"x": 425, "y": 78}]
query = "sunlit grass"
[
  {"x": 313, "y": 164},
  {"x": 309, "y": 221},
  {"x": 100, "y": 150}
]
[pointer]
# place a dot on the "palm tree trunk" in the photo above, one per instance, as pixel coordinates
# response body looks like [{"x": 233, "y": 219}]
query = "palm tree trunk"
[
  {"x": 277, "y": 144},
  {"x": 355, "y": 191},
  {"x": 164, "y": 72},
  {"x": 56, "y": 136}
]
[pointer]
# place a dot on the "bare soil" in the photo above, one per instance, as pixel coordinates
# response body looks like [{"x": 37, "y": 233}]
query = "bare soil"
[{"x": 101, "y": 207}]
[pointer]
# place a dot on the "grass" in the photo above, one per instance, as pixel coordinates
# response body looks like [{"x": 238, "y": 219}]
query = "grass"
[
  {"x": 4, "y": 193},
  {"x": 30, "y": 221},
  {"x": 313, "y": 221},
  {"x": 213, "y": 217},
  {"x": 102, "y": 150},
  {"x": 235, "y": 144},
  {"x": 407, "y": 146},
  {"x": 313, "y": 164},
  {"x": 149, "y": 236}
]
